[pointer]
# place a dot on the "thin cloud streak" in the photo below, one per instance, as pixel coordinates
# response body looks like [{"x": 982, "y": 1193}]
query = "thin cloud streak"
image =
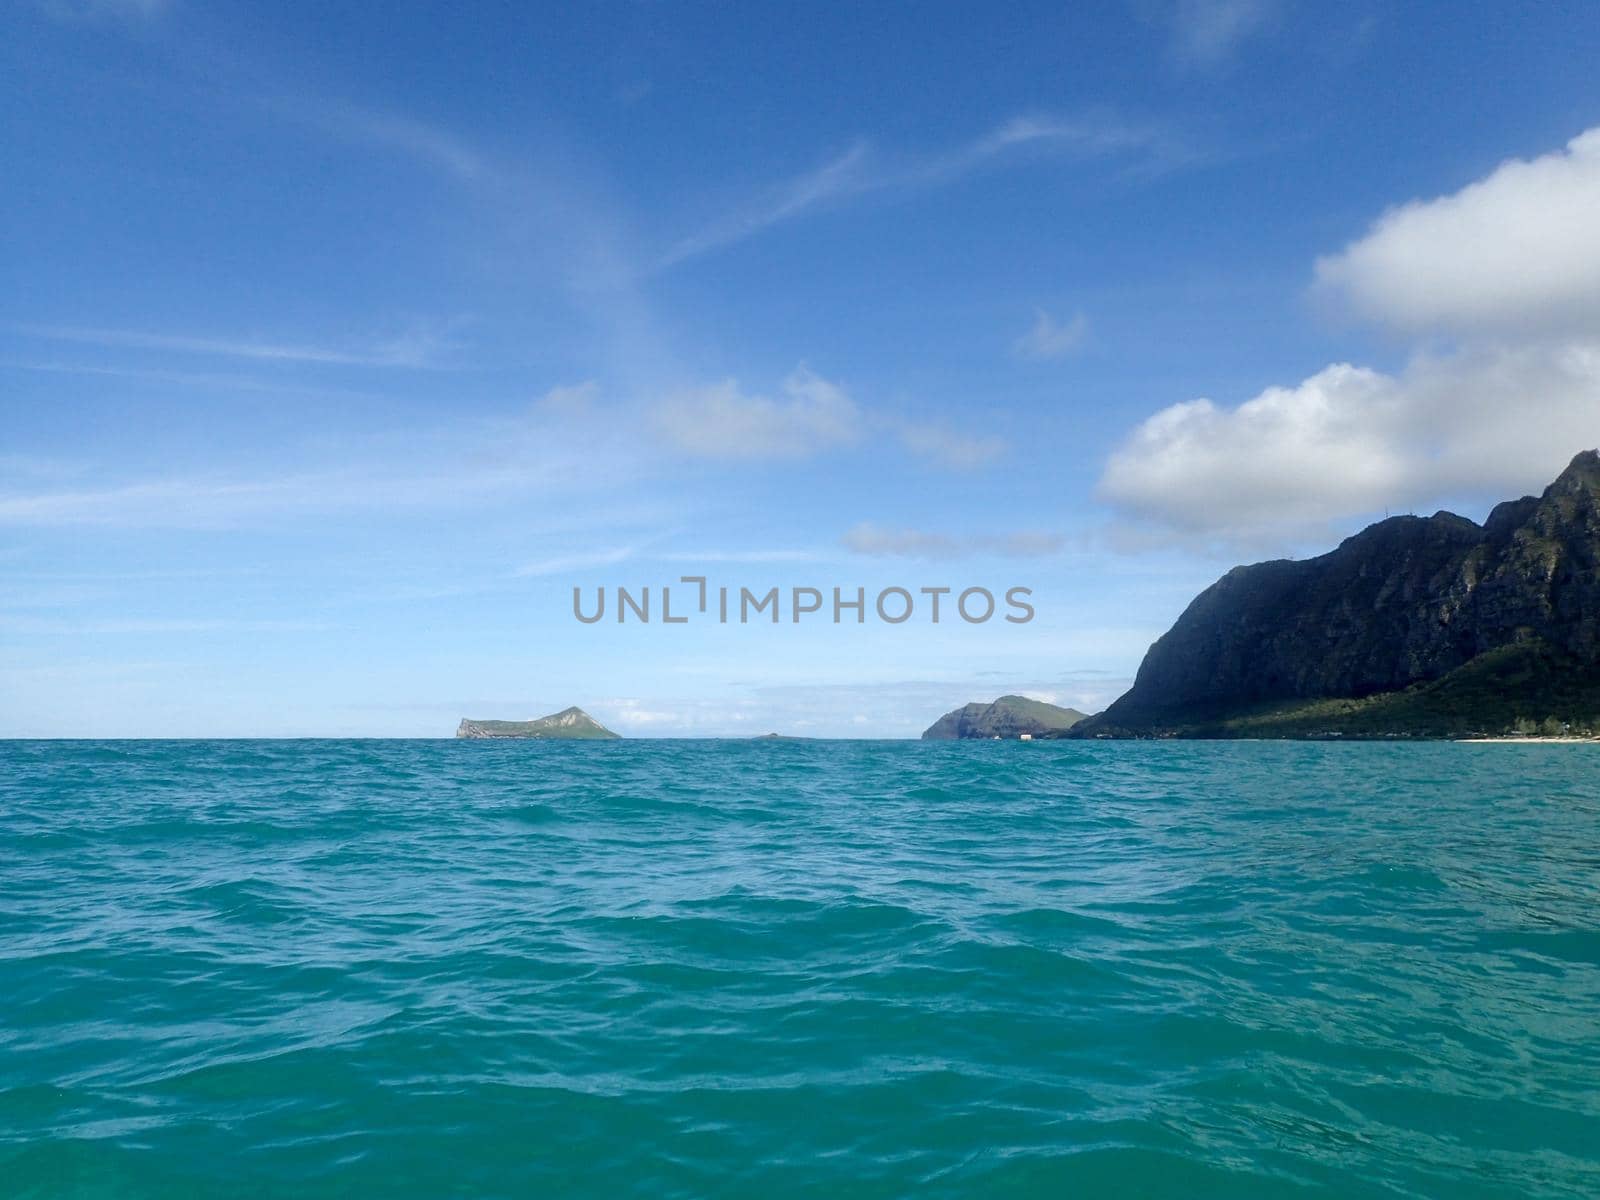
[
  {"x": 414, "y": 351},
  {"x": 740, "y": 556},
  {"x": 577, "y": 562},
  {"x": 875, "y": 541},
  {"x": 201, "y": 502},
  {"x": 859, "y": 171},
  {"x": 153, "y": 625}
]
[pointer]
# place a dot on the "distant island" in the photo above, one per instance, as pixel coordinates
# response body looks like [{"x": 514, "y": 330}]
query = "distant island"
[
  {"x": 1007, "y": 717},
  {"x": 572, "y": 724},
  {"x": 1415, "y": 627}
]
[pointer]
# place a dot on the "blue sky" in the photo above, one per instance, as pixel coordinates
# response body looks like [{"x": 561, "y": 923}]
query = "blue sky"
[{"x": 337, "y": 348}]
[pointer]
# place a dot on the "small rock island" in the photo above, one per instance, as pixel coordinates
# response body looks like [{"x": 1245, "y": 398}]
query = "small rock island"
[
  {"x": 1007, "y": 717},
  {"x": 571, "y": 724}
]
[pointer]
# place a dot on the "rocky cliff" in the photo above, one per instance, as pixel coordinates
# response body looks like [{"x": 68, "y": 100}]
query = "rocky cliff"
[{"x": 1401, "y": 605}]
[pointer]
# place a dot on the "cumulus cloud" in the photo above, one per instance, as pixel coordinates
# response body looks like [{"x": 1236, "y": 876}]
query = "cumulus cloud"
[
  {"x": 1348, "y": 441},
  {"x": 1510, "y": 268},
  {"x": 878, "y": 542},
  {"x": 724, "y": 421},
  {"x": 1049, "y": 338},
  {"x": 1515, "y": 252}
]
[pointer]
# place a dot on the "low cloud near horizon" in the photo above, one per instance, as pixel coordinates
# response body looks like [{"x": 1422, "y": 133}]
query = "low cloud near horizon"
[{"x": 878, "y": 542}]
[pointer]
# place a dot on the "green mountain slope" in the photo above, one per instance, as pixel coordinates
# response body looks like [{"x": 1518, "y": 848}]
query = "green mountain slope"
[
  {"x": 571, "y": 724},
  {"x": 1007, "y": 717},
  {"x": 1420, "y": 626}
]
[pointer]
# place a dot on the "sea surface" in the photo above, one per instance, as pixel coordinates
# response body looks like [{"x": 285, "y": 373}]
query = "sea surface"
[{"x": 837, "y": 969}]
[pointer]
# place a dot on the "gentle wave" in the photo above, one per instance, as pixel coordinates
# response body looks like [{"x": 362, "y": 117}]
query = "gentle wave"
[{"x": 333, "y": 968}]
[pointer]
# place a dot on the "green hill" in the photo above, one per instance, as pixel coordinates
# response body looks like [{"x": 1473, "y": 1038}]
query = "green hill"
[
  {"x": 571, "y": 724},
  {"x": 1007, "y": 717}
]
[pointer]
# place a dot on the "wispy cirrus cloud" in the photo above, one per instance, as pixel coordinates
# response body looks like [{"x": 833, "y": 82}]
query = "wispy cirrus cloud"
[
  {"x": 1049, "y": 338},
  {"x": 438, "y": 470},
  {"x": 879, "y": 542},
  {"x": 739, "y": 556},
  {"x": 844, "y": 175},
  {"x": 1206, "y": 33},
  {"x": 566, "y": 564},
  {"x": 861, "y": 170},
  {"x": 153, "y": 625},
  {"x": 428, "y": 144},
  {"x": 416, "y": 349},
  {"x": 953, "y": 449}
]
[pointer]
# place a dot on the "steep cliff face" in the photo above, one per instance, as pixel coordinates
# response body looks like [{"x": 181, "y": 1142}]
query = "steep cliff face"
[{"x": 1406, "y": 601}]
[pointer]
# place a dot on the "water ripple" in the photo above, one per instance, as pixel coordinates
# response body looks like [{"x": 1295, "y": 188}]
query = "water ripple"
[{"x": 699, "y": 968}]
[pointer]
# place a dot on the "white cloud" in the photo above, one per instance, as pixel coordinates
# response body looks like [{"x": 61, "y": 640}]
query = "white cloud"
[
  {"x": 1489, "y": 423},
  {"x": 1049, "y": 338},
  {"x": 878, "y": 542},
  {"x": 1517, "y": 252},
  {"x": 1511, "y": 266},
  {"x": 722, "y": 421}
]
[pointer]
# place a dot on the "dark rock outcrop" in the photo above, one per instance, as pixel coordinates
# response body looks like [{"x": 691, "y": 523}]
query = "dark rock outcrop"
[{"x": 1405, "y": 602}]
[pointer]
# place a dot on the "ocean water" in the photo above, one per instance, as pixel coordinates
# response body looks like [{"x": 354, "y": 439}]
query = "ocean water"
[{"x": 663, "y": 969}]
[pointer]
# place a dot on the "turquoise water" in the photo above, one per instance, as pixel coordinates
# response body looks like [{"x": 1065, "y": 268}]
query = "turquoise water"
[{"x": 441, "y": 969}]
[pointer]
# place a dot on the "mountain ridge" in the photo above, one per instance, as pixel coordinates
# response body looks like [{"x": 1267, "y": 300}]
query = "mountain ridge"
[{"x": 1399, "y": 607}]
